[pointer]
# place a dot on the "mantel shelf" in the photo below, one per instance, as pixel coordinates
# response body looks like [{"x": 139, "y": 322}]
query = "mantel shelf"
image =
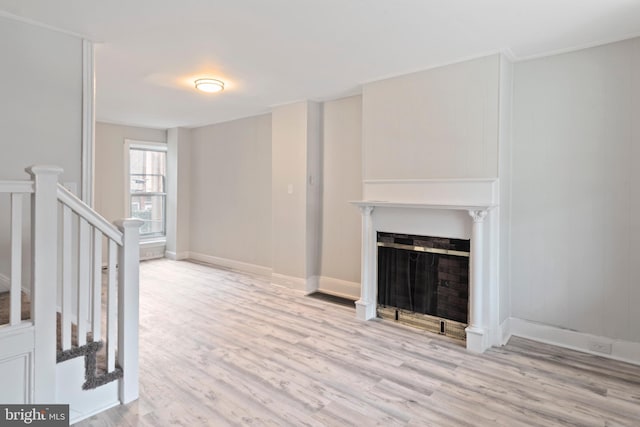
[{"x": 387, "y": 204}]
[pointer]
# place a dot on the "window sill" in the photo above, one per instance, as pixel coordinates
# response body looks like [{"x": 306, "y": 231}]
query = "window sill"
[{"x": 153, "y": 242}]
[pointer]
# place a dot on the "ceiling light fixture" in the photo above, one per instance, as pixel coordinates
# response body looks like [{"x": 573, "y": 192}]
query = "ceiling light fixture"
[{"x": 209, "y": 85}]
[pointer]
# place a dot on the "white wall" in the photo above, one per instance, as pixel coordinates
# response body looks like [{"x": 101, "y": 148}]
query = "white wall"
[
  {"x": 439, "y": 123},
  {"x": 575, "y": 228},
  {"x": 342, "y": 182},
  {"x": 230, "y": 208},
  {"x": 40, "y": 109},
  {"x": 109, "y": 172}
]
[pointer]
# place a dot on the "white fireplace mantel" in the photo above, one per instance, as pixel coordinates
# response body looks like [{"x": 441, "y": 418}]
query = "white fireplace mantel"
[
  {"x": 453, "y": 194},
  {"x": 438, "y": 206}
]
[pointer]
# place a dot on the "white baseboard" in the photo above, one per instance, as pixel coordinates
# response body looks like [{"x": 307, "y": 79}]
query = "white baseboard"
[
  {"x": 5, "y": 283},
  {"x": 176, "y": 256},
  {"x": 504, "y": 332},
  {"x": 297, "y": 283},
  {"x": 232, "y": 264},
  {"x": 625, "y": 351},
  {"x": 339, "y": 288},
  {"x": 312, "y": 284}
]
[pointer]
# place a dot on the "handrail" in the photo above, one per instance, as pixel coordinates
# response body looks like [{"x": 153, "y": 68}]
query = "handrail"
[
  {"x": 94, "y": 218},
  {"x": 16, "y": 187}
]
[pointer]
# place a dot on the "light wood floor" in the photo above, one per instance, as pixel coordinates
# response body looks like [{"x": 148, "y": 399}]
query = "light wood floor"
[{"x": 221, "y": 348}]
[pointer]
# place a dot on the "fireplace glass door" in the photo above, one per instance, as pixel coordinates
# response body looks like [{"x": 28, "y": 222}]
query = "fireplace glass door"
[{"x": 426, "y": 275}]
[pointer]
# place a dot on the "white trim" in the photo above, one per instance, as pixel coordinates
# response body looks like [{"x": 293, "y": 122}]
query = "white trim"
[
  {"x": 153, "y": 243},
  {"x": 504, "y": 331},
  {"x": 147, "y": 145},
  {"x": 625, "y": 351},
  {"x": 5, "y": 283},
  {"x": 70, "y": 200},
  {"x": 176, "y": 256},
  {"x": 231, "y": 264},
  {"x": 427, "y": 181},
  {"x": 76, "y": 417},
  {"x": 88, "y": 122},
  {"x": 456, "y": 61},
  {"x": 576, "y": 48},
  {"x": 29, "y": 21},
  {"x": 127, "y": 145},
  {"x": 312, "y": 284},
  {"x": 445, "y": 192},
  {"x": 339, "y": 287},
  {"x": 16, "y": 187},
  {"x": 290, "y": 282}
]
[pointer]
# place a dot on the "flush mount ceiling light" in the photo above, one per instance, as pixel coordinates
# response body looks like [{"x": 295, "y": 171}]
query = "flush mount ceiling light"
[{"x": 209, "y": 85}]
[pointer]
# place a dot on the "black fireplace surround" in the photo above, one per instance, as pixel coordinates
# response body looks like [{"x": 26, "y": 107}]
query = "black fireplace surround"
[{"x": 428, "y": 275}]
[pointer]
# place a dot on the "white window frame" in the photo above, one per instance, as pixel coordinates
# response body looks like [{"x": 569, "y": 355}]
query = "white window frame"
[{"x": 145, "y": 145}]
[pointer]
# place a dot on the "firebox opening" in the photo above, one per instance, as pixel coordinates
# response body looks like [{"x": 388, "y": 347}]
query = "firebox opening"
[{"x": 424, "y": 281}]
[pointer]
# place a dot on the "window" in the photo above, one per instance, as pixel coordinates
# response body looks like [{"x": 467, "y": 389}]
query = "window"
[{"x": 147, "y": 190}]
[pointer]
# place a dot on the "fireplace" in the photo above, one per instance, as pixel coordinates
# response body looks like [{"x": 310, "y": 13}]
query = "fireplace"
[
  {"x": 423, "y": 281},
  {"x": 437, "y": 207}
]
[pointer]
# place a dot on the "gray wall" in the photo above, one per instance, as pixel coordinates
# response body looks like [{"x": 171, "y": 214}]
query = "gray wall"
[
  {"x": 40, "y": 109},
  {"x": 575, "y": 228},
  {"x": 289, "y": 189},
  {"x": 342, "y": 182},
  {"x": 230, "y": 208},
  {"x": 40, "y": 100}
]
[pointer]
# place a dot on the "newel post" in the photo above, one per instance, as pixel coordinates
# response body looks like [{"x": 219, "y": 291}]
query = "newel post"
[
  {"x": 44, "y": 247},
  {"x": 128, "y": 307}
]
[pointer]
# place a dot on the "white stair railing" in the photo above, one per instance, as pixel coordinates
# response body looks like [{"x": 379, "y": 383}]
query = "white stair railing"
[
  {"x": 79, "y": 233},
  {"x": 82, "y": 279},
  {"x": 17, "y": 192}
]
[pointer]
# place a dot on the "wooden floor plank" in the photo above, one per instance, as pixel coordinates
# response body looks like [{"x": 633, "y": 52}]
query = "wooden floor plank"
[{"x": 222, "y": 348}]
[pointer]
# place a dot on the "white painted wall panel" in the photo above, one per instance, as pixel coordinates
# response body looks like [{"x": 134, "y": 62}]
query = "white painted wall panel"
[
  {"x": 230, "y": 197},
  {"x": 15, "y": 374},
  {"x": 504, "y": 171},
  {"x": 575, "y": 191},
  {"x": 40, "y": 111},
  {"x": 178, "y": 190},
  {"x": 439, "y": 123},
  {"x": 342, "y": 182}
]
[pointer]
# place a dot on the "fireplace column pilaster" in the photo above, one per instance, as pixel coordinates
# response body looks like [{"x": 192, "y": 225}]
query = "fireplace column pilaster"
[
  {"x": 366, "y": 305},
  {"x": 476, "y": 332}
]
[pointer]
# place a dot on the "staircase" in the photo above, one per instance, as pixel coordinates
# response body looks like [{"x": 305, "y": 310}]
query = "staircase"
[{"x": 80, "y": 344}]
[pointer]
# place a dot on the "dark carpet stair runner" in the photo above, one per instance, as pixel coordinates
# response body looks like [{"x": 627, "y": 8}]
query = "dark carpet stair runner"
[{"x": 95, "y": 361}]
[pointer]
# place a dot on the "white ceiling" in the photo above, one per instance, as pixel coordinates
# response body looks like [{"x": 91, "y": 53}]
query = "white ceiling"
[{"x": 273, "y": 52}]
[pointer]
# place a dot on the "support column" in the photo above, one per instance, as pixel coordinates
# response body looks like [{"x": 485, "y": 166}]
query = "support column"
[
  {"x": 178, "y": 192},
  {"x": 366, "y": 305},
  {"x": 476, "y": 332}
]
